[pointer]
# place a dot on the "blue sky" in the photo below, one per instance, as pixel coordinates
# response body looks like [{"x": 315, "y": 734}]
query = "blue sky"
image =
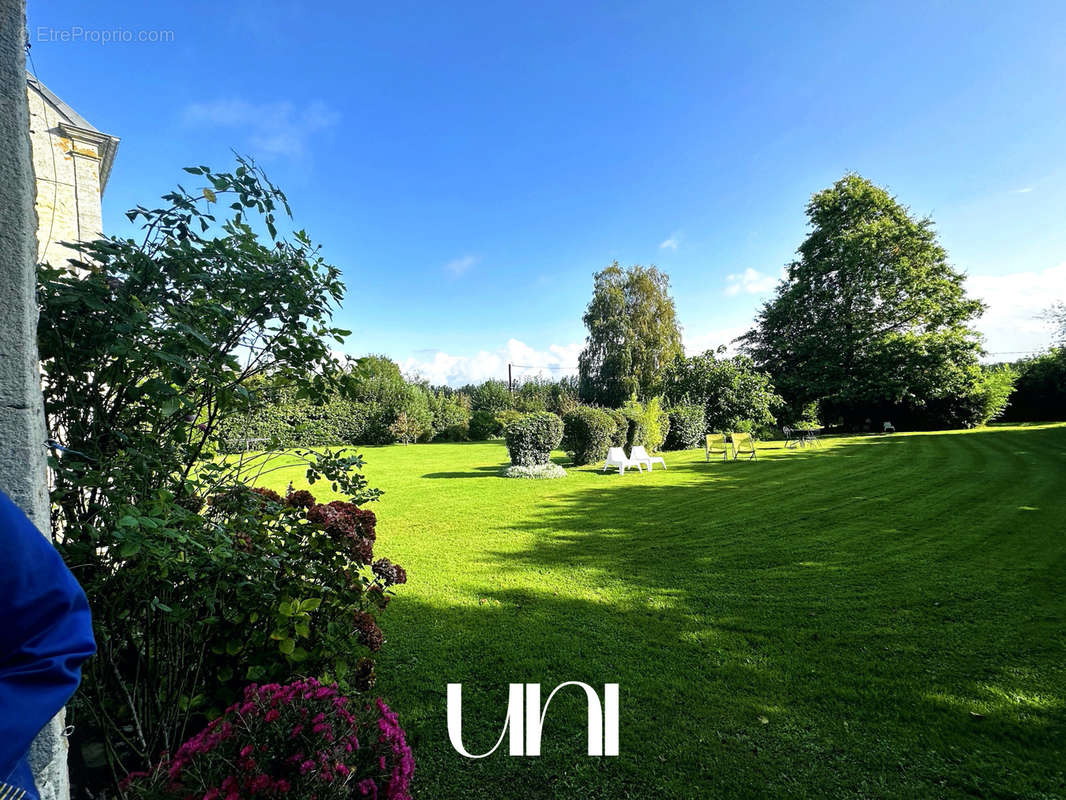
[{"x": 470, "y": 166}]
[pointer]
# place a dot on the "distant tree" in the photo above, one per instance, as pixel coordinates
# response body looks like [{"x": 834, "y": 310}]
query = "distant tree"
[
  {"x": 406, "y": 428},
  {"x": 1040, "y": 391},
  {"x": 871, "y": 319},
  {"x": 492, "y": 396},
  {"x": 563, "y": 395},
  {"x": 632, "y": 335},
  {"x": 378, "y": 386},
  {"x": 733, "y": 394},
  {"x": 375, "y": 379},
  {"x": 1056, "y": 315},
  {"x": 532, "y": 395},
  {"x": 451, "y": 415}
]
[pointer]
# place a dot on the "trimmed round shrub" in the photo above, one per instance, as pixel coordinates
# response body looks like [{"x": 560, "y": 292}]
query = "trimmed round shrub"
[
  {"x": 587, "y": 433},
  {"x": 532, "y": 437},
  {"x": 687, "y": 426},
  {"x": 538, "y": 473}
]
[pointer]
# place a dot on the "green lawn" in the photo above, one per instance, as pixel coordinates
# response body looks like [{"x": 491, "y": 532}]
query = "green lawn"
[{"x": 880, "y": 617}]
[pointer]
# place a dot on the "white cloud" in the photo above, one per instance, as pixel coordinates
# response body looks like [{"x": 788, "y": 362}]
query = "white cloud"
[
  {"x": 696, "y": 343},
  {"x": 272, "y": 129},
  {"x": 439, "y": 367},
  {"x": 1026, "y": 190},
  {"x": 752, "y": 281},
  {"x": 460, "y": 266},
  {"x": 1012, "y": 323},
  {"x": 671, "y": 243}
]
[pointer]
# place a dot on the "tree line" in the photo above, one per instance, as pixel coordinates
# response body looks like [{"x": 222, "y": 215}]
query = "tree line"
[{"x": 871, "y": 323}]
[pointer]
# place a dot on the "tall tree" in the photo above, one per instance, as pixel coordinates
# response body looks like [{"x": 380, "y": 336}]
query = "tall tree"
[
  {"x": 871, "y": 319},
  {"x": 633, "y": 335}
]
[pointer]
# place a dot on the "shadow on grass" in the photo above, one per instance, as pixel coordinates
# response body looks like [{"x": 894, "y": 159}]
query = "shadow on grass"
[{"x": 472, "y": 472}]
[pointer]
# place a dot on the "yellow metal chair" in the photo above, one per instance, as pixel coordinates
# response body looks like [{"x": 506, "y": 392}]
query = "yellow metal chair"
[
  {"x": 744, "y": 443},
  {"x": 716, "y": 442}
]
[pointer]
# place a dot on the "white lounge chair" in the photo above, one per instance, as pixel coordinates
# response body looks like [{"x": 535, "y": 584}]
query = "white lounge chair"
[
  {"x": 616, "y": 457},
  {"x": 889, "y": 428},
  {"x": 640, "y": 455}
]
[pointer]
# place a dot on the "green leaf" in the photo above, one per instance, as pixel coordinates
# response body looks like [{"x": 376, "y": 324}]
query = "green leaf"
[
  {"x": 310, "y": 604},
  {"x": 287, "y": 646},
  {"x": 130, "y": 549}
]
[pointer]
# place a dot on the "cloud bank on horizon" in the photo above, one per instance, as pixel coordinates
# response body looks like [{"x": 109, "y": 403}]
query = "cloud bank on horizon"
[{"x": 1012, "y": 327}]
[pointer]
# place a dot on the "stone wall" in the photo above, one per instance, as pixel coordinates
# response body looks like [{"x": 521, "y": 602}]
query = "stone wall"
[{"x": 22, "y": 430}]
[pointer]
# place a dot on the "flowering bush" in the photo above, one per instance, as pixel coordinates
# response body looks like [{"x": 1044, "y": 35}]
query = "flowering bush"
[
  {"x": 538, "y": 472},
  {"x": 306, "y": 602},
  {"x": 326, "y": 587},
  {"x": 192, "y": 601},
  {"x": 300, "y": 740}
]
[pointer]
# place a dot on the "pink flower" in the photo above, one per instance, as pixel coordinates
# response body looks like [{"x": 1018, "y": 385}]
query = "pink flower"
[{"x": 263, "y": 737}]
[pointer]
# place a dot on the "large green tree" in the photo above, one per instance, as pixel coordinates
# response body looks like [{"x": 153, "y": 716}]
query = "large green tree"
[
  {"x": 871, "y": 319},
  {"x": 633, "y": 335}
]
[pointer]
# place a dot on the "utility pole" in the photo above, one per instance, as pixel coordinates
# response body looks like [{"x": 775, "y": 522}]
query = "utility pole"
[{"x": 510, "y": 380}]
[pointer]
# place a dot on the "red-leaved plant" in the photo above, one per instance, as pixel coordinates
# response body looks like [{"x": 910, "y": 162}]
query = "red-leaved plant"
[{"x": 299, "y": 740}]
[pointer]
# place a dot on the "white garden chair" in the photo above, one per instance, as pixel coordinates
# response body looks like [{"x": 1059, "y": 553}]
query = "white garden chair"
[
  {"x": 640, "y": 455},
  {"x": 889, "y": 428},
  {"x": 616, "y": 457}
]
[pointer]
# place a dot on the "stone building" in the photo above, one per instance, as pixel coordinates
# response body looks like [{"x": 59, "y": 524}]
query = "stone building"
[{"x": 71, "y": 163}]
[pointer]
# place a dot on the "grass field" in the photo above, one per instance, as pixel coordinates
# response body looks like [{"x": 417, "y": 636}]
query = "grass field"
[{"x": 880, "y": 617}]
